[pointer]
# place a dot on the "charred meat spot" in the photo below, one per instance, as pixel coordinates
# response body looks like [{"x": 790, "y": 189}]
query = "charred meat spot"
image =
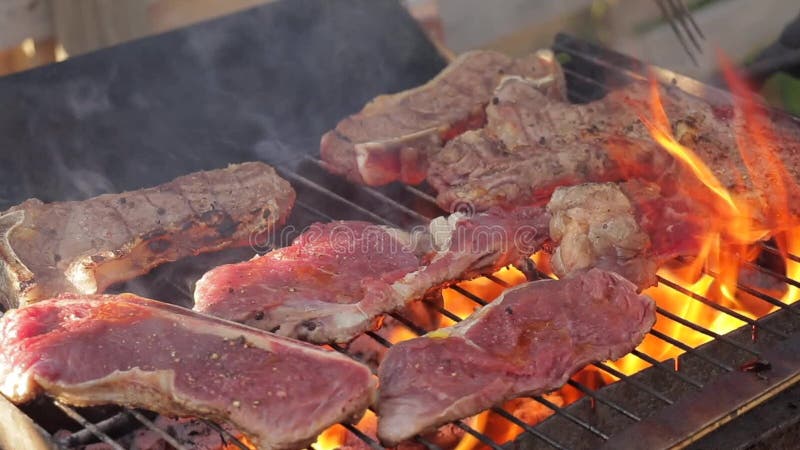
[
  {"x": 123, "y": 200},
  {"x": 222, "y": 222},
  {"x": 309, "y": 325},
  {"x": 542, "y": 140},
  {"x": 155, "y": 234},
  {"x": 495, "y": 100},
  {"x": 159, "y": 245},
  {"x": 509, "y": 310},
  {"x": 230, "y": 290},
  {"x": 267, "y": 212},
  {"x": 24, "y": 285},
  {"x": 259, "y": 315},
  {"x": 161, "y": 211},
  {"x": 56, "y": 258},
  {"x": 756, "y": 366}
]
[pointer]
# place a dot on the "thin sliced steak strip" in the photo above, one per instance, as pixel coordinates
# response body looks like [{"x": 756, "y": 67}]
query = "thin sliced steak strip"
[
  {"x": 527, "y": 342},
  {"x": 127, "y": 350},
  {"x": 394, "y": 135},
  {"x": 84, "y": 246},
  {"x": 336, "y": 279}
]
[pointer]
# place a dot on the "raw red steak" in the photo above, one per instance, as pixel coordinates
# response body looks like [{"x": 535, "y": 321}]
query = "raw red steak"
[
  {"x": 124, "y": 349},
  {"x": 527, "y": 342},
  {"x": 336, "y": 279}
]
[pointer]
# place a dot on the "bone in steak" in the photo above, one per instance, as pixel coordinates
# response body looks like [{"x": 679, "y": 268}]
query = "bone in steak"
[
  {"x": 85, "y": 246},
  {"x": 336, "y": 279},
  {"x": 394, "y": 135},
  {"x": 527, "y": 342},
  {"x": 89, "y": 350},
  {"x": 533, "y": 143}
]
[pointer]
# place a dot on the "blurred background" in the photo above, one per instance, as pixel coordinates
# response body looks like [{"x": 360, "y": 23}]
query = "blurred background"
[{"x": 36, "y": 32}]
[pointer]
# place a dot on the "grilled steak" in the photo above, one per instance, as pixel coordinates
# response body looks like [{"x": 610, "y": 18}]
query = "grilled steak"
[
  {"x": 527, "y": 342},
  {"x": 394, "y": 135},
  {"x": 629, "y": 228},
  {"x": 336, "y": 279},
  {"x": 533, "y": 143},
  {"x": 127, "y": 350},
  {"x": 85, "y": 246}
]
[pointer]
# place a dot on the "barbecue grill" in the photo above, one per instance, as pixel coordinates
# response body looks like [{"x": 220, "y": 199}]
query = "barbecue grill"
[{"x": 672, "y": 403}]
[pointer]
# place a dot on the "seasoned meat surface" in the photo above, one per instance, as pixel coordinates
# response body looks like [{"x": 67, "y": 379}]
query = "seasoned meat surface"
[
  {"x": 127, "y": 350},
  {"x": 85, "y": 246},
  {"x": 336, "y": 279},
  {"x": 533, "y": 143},
  {"x": 394, "y": 135},
  {"x": 527, "y": 342}
]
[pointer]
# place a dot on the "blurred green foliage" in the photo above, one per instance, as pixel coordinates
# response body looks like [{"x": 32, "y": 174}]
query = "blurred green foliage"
[{"x": 783, "y": 91}]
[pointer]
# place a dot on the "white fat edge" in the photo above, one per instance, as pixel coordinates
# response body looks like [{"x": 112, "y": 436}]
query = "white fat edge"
[
  {"x": 13, "y": 267},
  {"x": 100, "y": 390},
  {"x": 461, "y": 328},
  {"x": 440, "y": 230},
  {"x": 199, "y": 324},
  {"x": 18, "y": 384},
  {"x": 365, "y": 149}
]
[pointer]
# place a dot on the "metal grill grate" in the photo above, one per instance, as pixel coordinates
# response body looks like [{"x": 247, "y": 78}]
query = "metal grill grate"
[{"x": 322, "y": 196}]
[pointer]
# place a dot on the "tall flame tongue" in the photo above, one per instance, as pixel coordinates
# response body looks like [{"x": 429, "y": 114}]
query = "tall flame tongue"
[{"x": 736, "y": 228}]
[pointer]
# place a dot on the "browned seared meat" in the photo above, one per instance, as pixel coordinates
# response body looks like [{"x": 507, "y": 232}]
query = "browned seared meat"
[
  {"x": 533, "y": 143},
  {"x": 127, "y": 350},
  {"x": 527, "y": 342},
  {"x": 336, "y": 279},
  {"x": 394, "y": 135},
  {"x": 85, "y": 246},
  {"x": 630, "y": 228}
]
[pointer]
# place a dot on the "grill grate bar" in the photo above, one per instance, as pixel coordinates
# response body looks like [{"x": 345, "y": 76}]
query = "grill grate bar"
[
  {"x": 75, "y": 415},
  {"x": 321, "y": 189},
  {"x": 760, "y": 295},
  {"x": 595, "y": 396},
  {"x": 423, "y": 195},
  {"x": 659, "y": 366},
  {"x": 606, "y": 368},
  {"x": 690, "y": 350},
  {"x": 377, "y": 194},
  {"x": 374, "y": 445},
  {"x": 702, "y": 299},
  {"x": 773, "y": 274},
  {"x": 231, "y": 438},
  {"x": 479, "y": 436},
  {"x": 152, "y": 427},
  {"x": 528, "y": 428},
  {"x": 705, "y": 331},
  {"x": 571, "y": 417},
  {"x": 775, "y": 251}
]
